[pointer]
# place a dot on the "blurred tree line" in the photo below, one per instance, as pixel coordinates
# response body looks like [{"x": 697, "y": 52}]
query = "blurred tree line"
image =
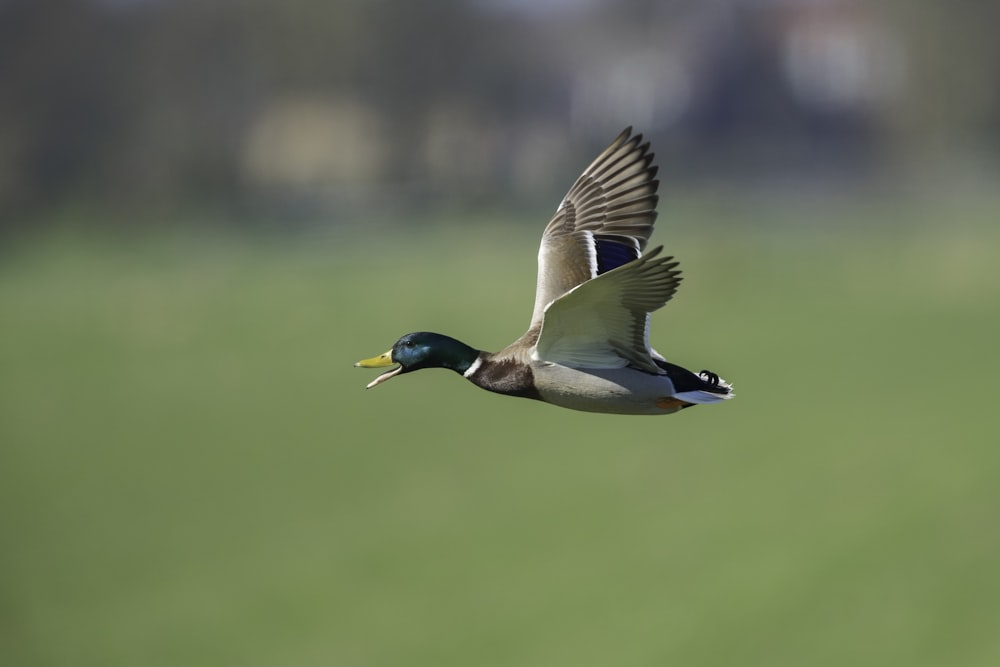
[{"x": 142, "y": 108}]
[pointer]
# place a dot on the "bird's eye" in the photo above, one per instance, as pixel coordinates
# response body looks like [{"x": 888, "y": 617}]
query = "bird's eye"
[{"x": 408, "y": 343}]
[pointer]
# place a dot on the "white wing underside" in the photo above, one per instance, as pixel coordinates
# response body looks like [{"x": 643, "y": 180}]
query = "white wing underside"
[{"x": 604, "y": 322}]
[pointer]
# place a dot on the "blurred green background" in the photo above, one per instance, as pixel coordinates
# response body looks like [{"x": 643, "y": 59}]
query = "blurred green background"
[{"x": 211, "y": 210}]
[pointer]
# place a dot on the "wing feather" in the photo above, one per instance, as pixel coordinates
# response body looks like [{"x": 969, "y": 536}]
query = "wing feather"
[
  {"x": 613, "y": 201},
  {"x": 604, "y": 322}
]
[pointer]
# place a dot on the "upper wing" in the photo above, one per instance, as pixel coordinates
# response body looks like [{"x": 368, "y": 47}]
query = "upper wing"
[
  {"x": 604, "y": 322},
  {"x": 603, "y": 222}
]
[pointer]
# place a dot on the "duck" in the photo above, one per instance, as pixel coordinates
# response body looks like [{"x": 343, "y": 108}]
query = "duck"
[{"x": 587, "y": 346}]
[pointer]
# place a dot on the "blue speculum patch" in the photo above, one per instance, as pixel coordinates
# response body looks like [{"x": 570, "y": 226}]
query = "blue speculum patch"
[{"x": 611, "y": 255}]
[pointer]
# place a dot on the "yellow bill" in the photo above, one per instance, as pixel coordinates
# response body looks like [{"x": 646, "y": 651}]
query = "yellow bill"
[{"x": 382, "y": 360}]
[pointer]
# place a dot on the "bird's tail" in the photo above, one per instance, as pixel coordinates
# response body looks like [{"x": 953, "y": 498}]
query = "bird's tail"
[
  {"x": 705, "y": 387},
  {"x": 715, "y": 390}
]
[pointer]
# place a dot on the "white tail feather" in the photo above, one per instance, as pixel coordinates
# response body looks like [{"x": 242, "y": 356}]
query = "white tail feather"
[{"x": 700, "y": 396}]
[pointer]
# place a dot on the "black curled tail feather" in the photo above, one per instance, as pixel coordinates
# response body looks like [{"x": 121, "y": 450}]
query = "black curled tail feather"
[{"x": 684, "y": 380}]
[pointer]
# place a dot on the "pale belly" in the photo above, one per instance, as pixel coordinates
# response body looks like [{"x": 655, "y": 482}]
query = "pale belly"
[{"x": 618, "y": 390}]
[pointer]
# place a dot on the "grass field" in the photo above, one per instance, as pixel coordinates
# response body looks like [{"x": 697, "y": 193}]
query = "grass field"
[{"x": 192, "y": 473}]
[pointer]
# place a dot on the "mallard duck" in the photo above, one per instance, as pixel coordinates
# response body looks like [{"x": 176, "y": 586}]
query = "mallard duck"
[{"x": 588, "y": 344}]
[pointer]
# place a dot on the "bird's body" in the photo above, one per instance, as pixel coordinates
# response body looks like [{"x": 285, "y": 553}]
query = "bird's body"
[
  {"x": 612, "y": 390},
  {"x": 587, "y": 347}
]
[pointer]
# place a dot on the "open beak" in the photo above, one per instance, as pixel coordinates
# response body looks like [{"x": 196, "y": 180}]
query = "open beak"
[{"x": 381, "y": 361}]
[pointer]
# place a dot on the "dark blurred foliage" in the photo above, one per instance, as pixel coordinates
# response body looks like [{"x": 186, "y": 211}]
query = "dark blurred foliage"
[{"x": 140, "y": 108}]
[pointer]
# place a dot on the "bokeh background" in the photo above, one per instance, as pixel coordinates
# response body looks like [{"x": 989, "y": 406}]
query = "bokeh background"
[{"x": 210, "y": 208}]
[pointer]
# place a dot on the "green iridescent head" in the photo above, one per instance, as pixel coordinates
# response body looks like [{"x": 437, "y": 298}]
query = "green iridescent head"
[{"x": 422, "y": 349}]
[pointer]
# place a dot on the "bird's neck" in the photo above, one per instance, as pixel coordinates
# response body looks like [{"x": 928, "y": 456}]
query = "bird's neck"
[{"x": 460, "y": 357}]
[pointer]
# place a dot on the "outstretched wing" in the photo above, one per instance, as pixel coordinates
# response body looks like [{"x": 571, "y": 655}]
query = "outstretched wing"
[
  {"x": 603, "y": 222},
  {"x": 604, "y": 322}
]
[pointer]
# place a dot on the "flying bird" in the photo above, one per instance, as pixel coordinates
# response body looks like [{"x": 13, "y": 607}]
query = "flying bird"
[{"x": 587, "y": 347}]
